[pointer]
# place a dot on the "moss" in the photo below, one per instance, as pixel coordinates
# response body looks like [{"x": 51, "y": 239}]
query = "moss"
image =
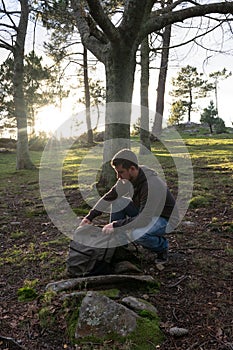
[
  {"x": 228, "y": 226},
  {"x": 18, "y": 234},
  {"x": 48, "y": 296},
  {"x": 148, "y": 314},
  {"x": 26, "y": 294},
  {"x": 146, "y": 334},
  {"x": 110, "y": 293},
  {"x": 71, "y": 310},
  {"x": 61, "y": 241},
  {"x": 72, "y": 324},
  {"x": 46, "y": 319},
  {"x": 199, "y": 201}
]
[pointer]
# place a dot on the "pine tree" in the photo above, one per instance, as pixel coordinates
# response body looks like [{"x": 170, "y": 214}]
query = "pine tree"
[
  {"x": 188, "y": 86},
  {"x": 177, "y": 113},
  {"x": 209, "y": 116}
]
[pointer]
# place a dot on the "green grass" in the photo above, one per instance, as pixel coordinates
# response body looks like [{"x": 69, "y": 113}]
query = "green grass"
[
  {"x": 214, "y": 153},
  {"x": 217, "y": 150}
]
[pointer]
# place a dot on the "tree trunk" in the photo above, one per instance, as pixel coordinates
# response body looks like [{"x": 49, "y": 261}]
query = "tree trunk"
[
  {"x": 120, "y": 68},
  {"x": 23, "y": 160},
  {"x": 144, "y": 121},
  {"x": 157, "y": 125},
  {"x": 87, "y": 98},
  {"x": 190, "y": 104}
]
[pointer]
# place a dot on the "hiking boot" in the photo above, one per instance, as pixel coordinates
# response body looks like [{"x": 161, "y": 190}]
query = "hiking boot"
[{"x": 162, "y": 257}]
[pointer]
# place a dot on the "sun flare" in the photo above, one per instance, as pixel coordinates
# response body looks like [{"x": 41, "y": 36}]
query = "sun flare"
[{"x": 49, "y": 119}]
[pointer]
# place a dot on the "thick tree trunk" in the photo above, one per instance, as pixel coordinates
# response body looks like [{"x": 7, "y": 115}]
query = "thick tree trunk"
[
  {"x": 87, "y": 97},
  {"x": 120, "y": 68},
  {"x": 23, "y": 160},
  {"x": 144, "y": 121},
  {"x": 157, "y": 125}
]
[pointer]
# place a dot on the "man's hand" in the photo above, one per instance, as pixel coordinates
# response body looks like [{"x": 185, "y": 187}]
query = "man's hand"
[
  {"x": 84, "y": 222},
  {"x": 108, "y": 229}
]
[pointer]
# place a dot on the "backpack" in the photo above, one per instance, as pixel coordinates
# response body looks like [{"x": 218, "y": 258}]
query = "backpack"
[{"x": 89, "y": 260}]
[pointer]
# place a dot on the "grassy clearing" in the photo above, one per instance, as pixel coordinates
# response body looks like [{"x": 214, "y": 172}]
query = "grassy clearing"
[
  {"x": 217, "y": 150},
  {"x": 81, "y": 165}
]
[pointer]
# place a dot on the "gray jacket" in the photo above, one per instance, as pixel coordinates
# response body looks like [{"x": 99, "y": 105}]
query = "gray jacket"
[{"x": 150, "y": 195}]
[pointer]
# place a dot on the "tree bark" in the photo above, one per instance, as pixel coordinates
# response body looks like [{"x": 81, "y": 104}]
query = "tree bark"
[
  {"x": 190, "y": 104},
  {"x": 23, "y": 160},
  {"x": 87, "y": 98},
  {"x": 120, "y": 68},
  {"x": 144, "y": 121},
  {"x": 157, "y": 125}
]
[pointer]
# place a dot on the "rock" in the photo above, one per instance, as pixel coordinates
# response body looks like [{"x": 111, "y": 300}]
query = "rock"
[
  {"x": 99, "y": 316},
  {"x": 160, "y": 266},
  {"x": 178, "y": 332},
  {"x": 188, "y": 223},
  {"x": 72, "y": 295},
  {"x": 145, "y": 296},
  {"x": 138, "y": 304},
  {"x": 84, "y": 282}
]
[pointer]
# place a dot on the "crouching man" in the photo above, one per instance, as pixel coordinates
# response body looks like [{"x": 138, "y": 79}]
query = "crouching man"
[{"x": 140, "y": 203}]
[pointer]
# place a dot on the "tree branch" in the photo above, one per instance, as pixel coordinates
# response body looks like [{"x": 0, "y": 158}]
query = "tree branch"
[
  {"x": 89, "y": 41},
  {"x": 8, "y": 14},
  {"x": 99, "y": 35},
  {"x": 103, "y": 20},
  {"x": 7, "y": 26},
  {"x": 156, "y": 22},
  {"x": 190, "y": 40},
  {"x": 22, "y": 26},
  {"x": 134, "y": 12},
  {"x": 6, "y": 46}
]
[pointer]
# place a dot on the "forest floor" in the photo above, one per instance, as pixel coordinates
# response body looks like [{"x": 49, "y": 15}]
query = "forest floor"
[{"x": 196, "y": 285}]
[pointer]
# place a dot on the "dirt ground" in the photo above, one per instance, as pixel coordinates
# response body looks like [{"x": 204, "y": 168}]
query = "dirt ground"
[{"x": 195, "y": 286}]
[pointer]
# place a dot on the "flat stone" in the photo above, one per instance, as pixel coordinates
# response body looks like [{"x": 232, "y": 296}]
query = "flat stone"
[
  {"x": 138, "y": 304},
  {"x": 99, "y": 316}
]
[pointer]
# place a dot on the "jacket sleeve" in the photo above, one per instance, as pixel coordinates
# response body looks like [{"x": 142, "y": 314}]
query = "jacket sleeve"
[
  {"x": 151, "y": 204},
  {"x": 118, "y": 190}
]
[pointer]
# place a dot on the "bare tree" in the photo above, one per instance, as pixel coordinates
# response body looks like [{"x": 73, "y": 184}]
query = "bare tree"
[
  {"x": 12, "y": 38},
  {"x": 157, "y": 125}
]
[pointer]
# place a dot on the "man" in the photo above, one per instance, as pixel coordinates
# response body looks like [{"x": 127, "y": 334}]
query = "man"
[{"x": 140, "y": 203}]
